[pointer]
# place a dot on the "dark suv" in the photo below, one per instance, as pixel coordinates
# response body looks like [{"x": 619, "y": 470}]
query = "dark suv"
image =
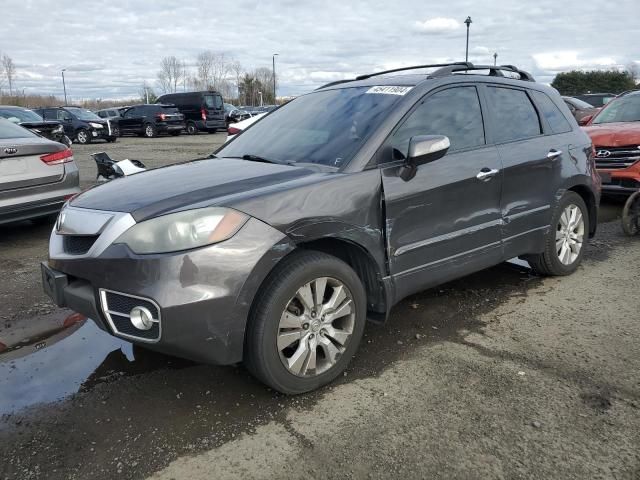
[
  {"x": 81, "y": 125},
  {"x": 152, "y": 120},
  {"x": 328, "y": 211}
]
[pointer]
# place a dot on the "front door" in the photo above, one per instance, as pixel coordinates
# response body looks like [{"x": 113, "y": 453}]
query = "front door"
[
  {"x": 445, "y": 221},
  {"x": 132, "y": 120}
]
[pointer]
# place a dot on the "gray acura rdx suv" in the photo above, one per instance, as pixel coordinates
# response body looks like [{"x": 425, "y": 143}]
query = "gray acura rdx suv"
[{"x": 326, "y": 213}]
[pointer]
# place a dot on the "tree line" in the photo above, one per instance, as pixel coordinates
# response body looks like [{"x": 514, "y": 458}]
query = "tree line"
[
  {"x": 214, "y": 71},
  {"x": 577, "y": 82}
]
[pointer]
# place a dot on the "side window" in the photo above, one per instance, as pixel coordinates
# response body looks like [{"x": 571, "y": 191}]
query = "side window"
[
  {"x": 551, "y": 113},
  {"x": 130, "y": 113},
  {"x": 454, "y": 112},
  {"x": 218, "y": 100},
  {"x": 63, "y": 115},
  {"x": 515, "y": 116}
]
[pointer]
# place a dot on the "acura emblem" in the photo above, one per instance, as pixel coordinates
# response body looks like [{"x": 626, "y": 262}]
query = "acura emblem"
[
  {"x": 603, "y": 153},
  {"x": 10, "y": 150}
]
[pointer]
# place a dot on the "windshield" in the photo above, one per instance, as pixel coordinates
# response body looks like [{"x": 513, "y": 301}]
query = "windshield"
[
  {"x": 83, "y": 113},
  {"x": 623, "y": 109},
  {"x": 326, "y": 127},
  {"x": 23, "y": 115},
  {"x": 11, "y": 130}
]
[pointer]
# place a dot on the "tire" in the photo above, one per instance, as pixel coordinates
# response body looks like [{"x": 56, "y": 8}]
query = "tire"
[
  {"x": 631, "y": 215},
  {"x": 549, "y": 262},
  {"x": 83, "y": 137},
  {"x": 191, "y": 128},
  {"x": 212, "y": 130},
  {"x": 267, "y": 354},
  {"x": 66, "y": 141},
  {"x": 150, "y": 131},
  {"x": 112, "y": 139}
]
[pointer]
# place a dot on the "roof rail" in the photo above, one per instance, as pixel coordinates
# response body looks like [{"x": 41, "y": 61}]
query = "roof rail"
[
  {"x": 402, "y": 69},
  {"x": 495, "y": 71}
]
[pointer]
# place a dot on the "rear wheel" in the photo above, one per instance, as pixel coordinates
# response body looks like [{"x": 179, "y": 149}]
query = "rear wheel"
[
  {"x": 150, "y": 131},
  {"x": 566, "y": 240},
  {"x": 306, "y": 323},
  {"x": 83, "y": 137},
  {"x": 191, "y": 128},
  {"x": 630, "y": 215}
]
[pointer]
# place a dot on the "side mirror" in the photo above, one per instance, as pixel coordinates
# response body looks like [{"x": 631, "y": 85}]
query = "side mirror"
[
  {"x": 423, "y": 149},
  {"x": 584, "y": 120}
]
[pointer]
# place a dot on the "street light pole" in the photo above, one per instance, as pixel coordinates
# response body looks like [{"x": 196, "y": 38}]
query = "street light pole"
[
  {"x": 468, "y": 23},
  {"x": 64, "y": 86},
  {"x": 273, "y": 59},
  {"x": 495, "y": 59}
]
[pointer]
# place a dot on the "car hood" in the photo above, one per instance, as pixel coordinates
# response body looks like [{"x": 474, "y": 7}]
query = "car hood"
[
  {"x": 197, "y": 183},
  {"x": 617, "y": 134}
]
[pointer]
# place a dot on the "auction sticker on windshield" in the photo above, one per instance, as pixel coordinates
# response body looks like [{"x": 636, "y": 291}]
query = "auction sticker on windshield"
[{"x": 389, "y": 90}]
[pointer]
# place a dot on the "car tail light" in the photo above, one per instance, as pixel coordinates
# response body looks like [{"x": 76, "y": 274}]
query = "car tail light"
[
  {"x": 233, "y": 130},
  {"x": 161, "y": 116},
  {"x": 64, "y": 156},
  {"x": 203, "y": 113}
]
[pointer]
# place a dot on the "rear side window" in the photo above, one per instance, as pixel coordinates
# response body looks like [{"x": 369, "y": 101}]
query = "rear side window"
[
  {"x": 515, "y": 116},
  {"x": 454, "y": 112},
  {"x": 552, "y": 114},
  {"x": 170, "y": 110}
]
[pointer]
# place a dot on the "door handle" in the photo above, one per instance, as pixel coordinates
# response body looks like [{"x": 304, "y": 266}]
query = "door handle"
[
  {"x": 487, "y": 174},
  {"x": 553, "y": 154}
]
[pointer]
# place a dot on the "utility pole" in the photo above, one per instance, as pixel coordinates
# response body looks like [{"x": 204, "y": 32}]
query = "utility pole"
[
  {"x": 468, "y": 23},
  {"x": 64, "y": 86},
  {"x": 273, "y": 59},
  {"x": 495, "y": 59}
]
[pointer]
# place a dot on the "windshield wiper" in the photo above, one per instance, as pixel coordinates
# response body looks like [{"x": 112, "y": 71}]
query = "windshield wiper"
[{"x": 258, "y": 158}]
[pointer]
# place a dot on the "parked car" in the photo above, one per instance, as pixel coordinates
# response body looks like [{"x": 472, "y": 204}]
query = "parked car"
[
  {"x": 29, "y": 119},
  {"x": 615, "y": 132},
  {"x": 326, "y": 212},
  {"x": 597, "y": 100},
  {"x": 580, "y": 110},
  {"x": 152, "y": 120},
  {"x": 233, "y": 114},
  {"x": 203, "y": 111},
  {"x": 239, "y": 127},
  {"x": 37, "y": 175},
  {"x": 81, "y": 125},
  {"x": 109, "y": 113}
]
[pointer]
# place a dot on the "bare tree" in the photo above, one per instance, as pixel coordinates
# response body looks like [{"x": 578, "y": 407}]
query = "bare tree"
[
  {"x": 634, "y": 71},
  {"x": 9, "y": 70},
  {"x": 236, "y": 70},
  {"x": 170, "y": 74},
  {"x": 264, "y": 76},
  {"x": 213, "y": 69}
]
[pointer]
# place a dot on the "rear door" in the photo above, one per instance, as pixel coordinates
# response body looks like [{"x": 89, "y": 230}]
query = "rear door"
[
  {"x": 214, "y": 107},
  {"x": 445, "y": 221},
  {"x": 532, "y": 157},
  {"x": 20, "y": 162}
]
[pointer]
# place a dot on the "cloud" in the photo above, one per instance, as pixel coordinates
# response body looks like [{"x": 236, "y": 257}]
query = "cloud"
[
  {"x": 568, "y": 60},
  {"x": 437, "y": 25}
]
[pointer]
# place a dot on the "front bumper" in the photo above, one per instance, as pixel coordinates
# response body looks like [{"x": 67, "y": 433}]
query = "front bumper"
[
  {"x": 620, "y": 182},
  {"x": 204, "y": 295}
]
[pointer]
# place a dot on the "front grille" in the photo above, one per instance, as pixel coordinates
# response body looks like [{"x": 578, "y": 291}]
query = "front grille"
[
  {"x": 615, "y": 158},
  {"x": 78, "y": 244},
  {"x": 116, "y": 307}
]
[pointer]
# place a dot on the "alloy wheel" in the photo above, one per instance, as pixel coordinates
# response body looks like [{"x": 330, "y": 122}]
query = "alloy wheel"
[
  {"x": 148, "y": 131},
  {"x": 569, "y": 234},
  {"x": 316, "y": 326},
  {"x": 82, "y": 137}
]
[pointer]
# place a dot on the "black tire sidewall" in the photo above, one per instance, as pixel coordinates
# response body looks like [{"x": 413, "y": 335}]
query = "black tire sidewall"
[
  {"x": 191, "y": 129},
  {"x": 263, "y": 330},
  {"x": 557, "y": 267}
]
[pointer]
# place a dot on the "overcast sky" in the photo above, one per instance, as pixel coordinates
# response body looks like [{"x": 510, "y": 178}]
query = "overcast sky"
[{"x": 110, "y": 47}]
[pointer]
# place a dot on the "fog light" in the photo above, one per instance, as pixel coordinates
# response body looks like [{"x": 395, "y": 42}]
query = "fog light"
[{"x": 141, "y": 318}]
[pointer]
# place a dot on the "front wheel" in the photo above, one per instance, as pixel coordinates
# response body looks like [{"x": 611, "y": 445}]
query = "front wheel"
[
  {"x": 631, "y": 214},
  {"x": 566, "y": 240},
  {"x": 83, "y": 137},
  {"x": 306, "y": 323}
]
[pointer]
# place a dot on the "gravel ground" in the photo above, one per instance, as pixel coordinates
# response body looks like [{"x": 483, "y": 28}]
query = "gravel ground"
[{"x": 501, "y": 374}]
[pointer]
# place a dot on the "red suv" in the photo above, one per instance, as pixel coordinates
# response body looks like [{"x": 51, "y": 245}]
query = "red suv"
[{"x": 615, "y": 132}]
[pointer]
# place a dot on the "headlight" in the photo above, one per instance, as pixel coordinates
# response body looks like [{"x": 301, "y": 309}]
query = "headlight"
[
  {"x": 95, "y": 125},
  {"x": 183, "y": 230},
  {"x": 58, "y": 129}
]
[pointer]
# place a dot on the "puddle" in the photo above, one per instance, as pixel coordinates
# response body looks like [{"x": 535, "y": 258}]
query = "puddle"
[{"x": 74, "y": 358}]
